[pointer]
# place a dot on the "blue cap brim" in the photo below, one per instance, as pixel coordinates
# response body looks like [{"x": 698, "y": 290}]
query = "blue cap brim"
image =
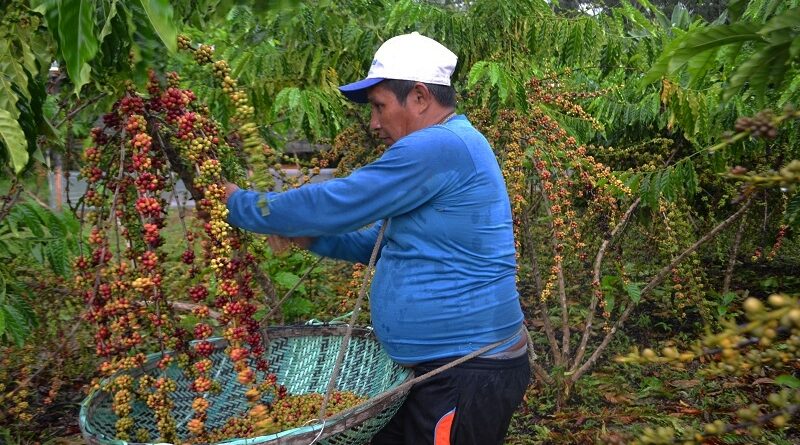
[{"x": 357, "y": 91}]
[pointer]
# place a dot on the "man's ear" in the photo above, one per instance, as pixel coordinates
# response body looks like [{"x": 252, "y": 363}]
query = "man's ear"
[{"x": 421, "y": 96}]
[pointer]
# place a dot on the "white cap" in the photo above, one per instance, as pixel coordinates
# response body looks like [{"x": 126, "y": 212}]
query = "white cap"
[{"x": 405, "y": 57}]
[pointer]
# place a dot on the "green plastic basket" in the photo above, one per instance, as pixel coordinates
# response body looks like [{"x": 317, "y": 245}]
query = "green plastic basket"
[{"x": 303, "y": 358}]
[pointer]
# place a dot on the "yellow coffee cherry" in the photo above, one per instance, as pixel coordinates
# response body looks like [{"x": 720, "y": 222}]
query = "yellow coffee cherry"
[{"x": 753, "y": 306}]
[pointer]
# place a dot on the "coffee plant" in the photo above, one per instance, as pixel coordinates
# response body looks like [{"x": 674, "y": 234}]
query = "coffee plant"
[
  {"x": 130, "y": 170},
  {"x": 553, "y": 179},
  {"x": 127, "y": 169},
  {"x": 51, "y": 240},
  {"x": 49, "y": 369},
  {"x": 41, "y": 360},
  {"x": 650, "y": 156},
  {"x": 765, "y": 345}
]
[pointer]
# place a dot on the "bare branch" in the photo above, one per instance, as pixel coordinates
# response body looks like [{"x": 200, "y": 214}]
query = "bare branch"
[
  {"x": 74, "y": 112},
  {"x": 655, "y": 281},
  {"x": 35, "y": 198},
  {"x": 726, "y": 284},
  {"x": 598, "y": 261},
  {"x": 562, "y": 294},
  {"x": 537, "y": 279},
  {"x": 539, "y": 372}
]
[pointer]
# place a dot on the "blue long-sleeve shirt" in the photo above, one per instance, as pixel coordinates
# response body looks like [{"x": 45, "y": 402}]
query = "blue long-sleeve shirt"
[{"x": 444, "y": 285}]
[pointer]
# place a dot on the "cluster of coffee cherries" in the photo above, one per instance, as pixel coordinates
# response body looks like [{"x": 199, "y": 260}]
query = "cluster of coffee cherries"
[
  {"x": 550, "y": 90},
  {"x": 514, "y": 171},
  {"x": 779, "y": 239},
  {"x": 647, "y": 156},
  {"x": 296, "y": 410},
  {"x": 197, "y": 139},
  {"x": 259, "y": 156},
  {"x": 123, "y": 282},
  {"x": 156, "y": 392},
  {"x": 122, "y": 404},
  {"x": 687, "y": 279},
  {"x": 129, "y": 167},
  {"x": 787, "y": 178},
  {"x": 352, "y": 288},
  {"x": 15, "y": 401},
  {"x": 246, "y": 425},
  {"x": 264, "y": 163},
  {"x": 273, "y": 410},
  {"x": 760, "y": 126},
  {"x": 354, "y": 147}
]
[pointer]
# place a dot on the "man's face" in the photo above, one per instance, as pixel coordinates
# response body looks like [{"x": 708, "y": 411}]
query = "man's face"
[{"x": 389, "y": 119}]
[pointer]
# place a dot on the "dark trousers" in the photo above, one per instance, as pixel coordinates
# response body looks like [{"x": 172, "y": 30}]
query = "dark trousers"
[{"x": 470, "y": 404}]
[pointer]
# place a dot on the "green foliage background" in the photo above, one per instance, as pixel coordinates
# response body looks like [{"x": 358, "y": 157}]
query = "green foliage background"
[{"x": 667, "y": 88}]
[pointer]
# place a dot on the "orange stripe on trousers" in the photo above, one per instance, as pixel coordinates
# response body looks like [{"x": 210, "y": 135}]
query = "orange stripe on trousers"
[{"x": 441, "y": 435}]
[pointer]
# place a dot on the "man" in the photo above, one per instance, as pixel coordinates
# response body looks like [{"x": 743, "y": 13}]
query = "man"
[{"x": 444, "y": 285}]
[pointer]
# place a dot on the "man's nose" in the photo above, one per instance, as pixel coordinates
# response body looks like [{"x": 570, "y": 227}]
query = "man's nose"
[{"x": 374, "y": 124}]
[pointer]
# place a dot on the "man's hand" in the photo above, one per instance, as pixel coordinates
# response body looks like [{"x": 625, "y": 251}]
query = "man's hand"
[
  {"x": 280, "y": 244},
  {"x": 303, "y": 242},
  {"x": 230, "y": 188}
]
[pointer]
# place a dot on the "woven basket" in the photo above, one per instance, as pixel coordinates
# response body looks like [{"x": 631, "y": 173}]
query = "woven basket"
[{"x": 302, "y": 358}]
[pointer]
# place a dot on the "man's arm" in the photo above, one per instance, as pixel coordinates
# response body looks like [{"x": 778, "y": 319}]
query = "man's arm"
[
  {"x": 230, "y": 188},
  {"x": 408, "y": 175},
  {"x": 276, "y": 242},
  {"x": 355, "y": 247},
  {"x": 280, "y": 244}
]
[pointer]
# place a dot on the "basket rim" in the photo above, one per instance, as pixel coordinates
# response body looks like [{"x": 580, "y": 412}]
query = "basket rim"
[{"x": 331, "y": 425}]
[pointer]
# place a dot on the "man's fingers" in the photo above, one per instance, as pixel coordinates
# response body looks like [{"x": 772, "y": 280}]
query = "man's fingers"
[
  {"x": 303, "y": 242},
  {"x": 278, "y": 244},
  {"x": 230, "y": 188}
]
